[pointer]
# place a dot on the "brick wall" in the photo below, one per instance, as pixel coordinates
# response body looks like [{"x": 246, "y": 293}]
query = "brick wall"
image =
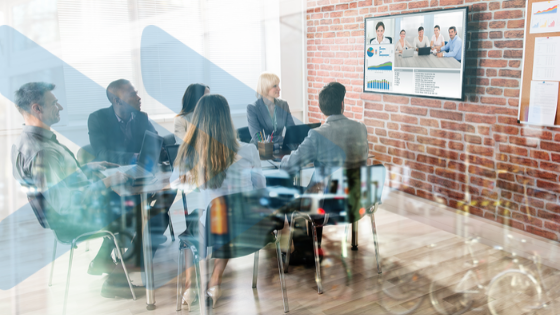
[{"x": 470, "y": 155}]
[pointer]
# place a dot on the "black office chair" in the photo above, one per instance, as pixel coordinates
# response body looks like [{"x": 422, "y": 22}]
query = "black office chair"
[
  {"x": 236, "y": 225},
  {"x": 244, "y": 135},
  {"x": 390, "y": 39},
  {"x": 338, "y": 209},
  {"x": 70, "y": 234}
]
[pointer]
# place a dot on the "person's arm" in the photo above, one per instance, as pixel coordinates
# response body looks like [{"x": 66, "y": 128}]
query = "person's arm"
[
  {"x": 180, "y": 129},
  {"x": 64, "y": 194},
  {"x": 257, "y": 176},
  {"x": 253, "y": 122},
  {"x": 445, "y": 47},
  {"x": 454, "y": 49},
  {"x": 289, "y": 117},
  {"x": 99, "y": 138},
  {"x": 408, "y": 44},
  {"x": 305, "y": 154}
]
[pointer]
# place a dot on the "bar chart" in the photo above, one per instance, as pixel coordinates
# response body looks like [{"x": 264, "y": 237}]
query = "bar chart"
[{"x": 379, "y": 84}]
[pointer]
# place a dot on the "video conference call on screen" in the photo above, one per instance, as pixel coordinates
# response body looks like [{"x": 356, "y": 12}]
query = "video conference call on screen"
[{"x": 418, "y": 54}]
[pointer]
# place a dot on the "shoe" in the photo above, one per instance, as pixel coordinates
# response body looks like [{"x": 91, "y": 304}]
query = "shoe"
[
  {"x": 189, "y": 298},
  {"x": 97, "y": 267},
  {"x": 214, "y": 294},
  {"x": 103, "y": 263},
  {"x": 112, "y": 291}
]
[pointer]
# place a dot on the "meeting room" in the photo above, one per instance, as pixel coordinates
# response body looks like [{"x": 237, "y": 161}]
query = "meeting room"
[{"x": 279, "y": 157}]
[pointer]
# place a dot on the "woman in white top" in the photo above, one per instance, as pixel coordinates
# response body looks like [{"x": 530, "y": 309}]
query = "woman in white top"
[
  {"x": 437, "y": 39},
  {"x": 421, "y": 41},
  {"x": 402, "y": 43},
  {"x": 380, "y": 38},
  {"x": 216, "y": 164},
  {"x": 193, "y": 93}
]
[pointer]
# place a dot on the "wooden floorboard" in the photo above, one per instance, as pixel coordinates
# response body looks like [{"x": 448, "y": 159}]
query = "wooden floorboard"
[{"x": 417, "y": 255}]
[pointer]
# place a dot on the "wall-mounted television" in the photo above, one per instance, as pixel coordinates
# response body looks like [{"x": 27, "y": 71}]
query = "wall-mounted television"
[{"x": 416, "y": 54}]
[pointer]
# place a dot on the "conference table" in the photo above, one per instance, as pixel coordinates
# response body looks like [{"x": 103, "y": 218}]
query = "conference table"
[
  {"x": 426, "y": 61},
  {"x": 162, "y": 183}
]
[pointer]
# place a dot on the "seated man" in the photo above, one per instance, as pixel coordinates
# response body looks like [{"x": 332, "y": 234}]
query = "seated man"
[
  {"x": 41, "y": 162},
  {"x": 116, "y": 134},
  {"x": 338, "y": 142},
  {"x": 454, "y": 48}
]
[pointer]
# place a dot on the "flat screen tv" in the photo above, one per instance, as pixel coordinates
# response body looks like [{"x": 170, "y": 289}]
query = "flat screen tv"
[{"x": 416, "y": 54}]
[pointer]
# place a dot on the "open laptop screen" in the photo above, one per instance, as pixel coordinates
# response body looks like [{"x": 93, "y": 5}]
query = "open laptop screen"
[{"x": 149, "y": 154}]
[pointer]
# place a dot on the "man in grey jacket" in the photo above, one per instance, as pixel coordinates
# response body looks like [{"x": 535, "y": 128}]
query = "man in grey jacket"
[{"x": 339, "y": 142}]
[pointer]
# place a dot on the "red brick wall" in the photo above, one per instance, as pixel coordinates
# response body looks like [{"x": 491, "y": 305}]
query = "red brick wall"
[{"x": 440, "y": 150}]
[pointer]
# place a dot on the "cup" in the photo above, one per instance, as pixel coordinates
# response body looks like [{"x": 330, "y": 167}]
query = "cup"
[{"x": 265, "y": 149}]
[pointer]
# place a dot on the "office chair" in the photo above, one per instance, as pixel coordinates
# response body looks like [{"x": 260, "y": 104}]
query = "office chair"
[
  {"x": 68, "y": 234},
  {"x": 244, "y": 135},
  {"x": 233, "y": 224},
  {"x": 351, "y": 211}
]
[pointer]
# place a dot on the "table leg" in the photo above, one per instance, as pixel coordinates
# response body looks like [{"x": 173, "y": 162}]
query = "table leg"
[
  {"x": 147, "y": 249},
  {"x": 355, "y": 235}
]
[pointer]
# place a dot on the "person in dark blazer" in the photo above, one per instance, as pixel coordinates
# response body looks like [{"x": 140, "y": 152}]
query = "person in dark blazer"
[
  {"x": 116, "y": 134},
  {"x": 269, "y": 113}
]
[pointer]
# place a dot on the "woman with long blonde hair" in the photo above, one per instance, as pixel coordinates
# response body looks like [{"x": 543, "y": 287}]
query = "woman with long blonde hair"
[{"x": 212, "y": 160}]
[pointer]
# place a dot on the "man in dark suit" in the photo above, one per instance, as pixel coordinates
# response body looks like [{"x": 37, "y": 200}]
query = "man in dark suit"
[{"x": 116, "y": 134}]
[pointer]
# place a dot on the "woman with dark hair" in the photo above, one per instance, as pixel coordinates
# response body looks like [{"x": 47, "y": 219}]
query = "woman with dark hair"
[
  {"x": 212, "y": 160},
  {"x": 421, "y": 41},
  {"x": 402, "y": 44},
  {"x": 379, "y": 35},
  {"x": 193, "y": 93}
]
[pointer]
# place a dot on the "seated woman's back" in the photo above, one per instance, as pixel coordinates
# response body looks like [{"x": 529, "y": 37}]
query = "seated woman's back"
[{"x": 212, "y": 160}]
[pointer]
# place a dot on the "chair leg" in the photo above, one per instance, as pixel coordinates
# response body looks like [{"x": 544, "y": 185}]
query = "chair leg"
[
  {"x": 180, "y": 269},
  {"x": 317, "y": 263},
  {"x": 375, "y": 243},
  {"x": 290, "y": 238},
  {"x": 201, "y": 293},
  {"x": 255, "y": 269},
  {"x": 119, "y": 255},
  {"x": 171, "y": 231},
  {"x": 52, "y": 263},
  {"x": 281, "y": 272},
  {"x": 68, "y": 277}
]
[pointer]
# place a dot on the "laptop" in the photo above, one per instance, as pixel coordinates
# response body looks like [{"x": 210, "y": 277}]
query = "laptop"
[
  {"x": 296, "y": 134},
  {"x": 147, "y": 164},
  {"x": 408, "y": 53},
  {"x": 424, "y": 51}
]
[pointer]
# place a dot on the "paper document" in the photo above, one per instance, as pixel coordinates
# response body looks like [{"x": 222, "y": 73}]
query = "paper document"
[
  {"x": 545, "y": 17},
  {"x": 543, "y": 103},
  {"x": 112, "y": 171},
  {"x": 546, "y": 64}
]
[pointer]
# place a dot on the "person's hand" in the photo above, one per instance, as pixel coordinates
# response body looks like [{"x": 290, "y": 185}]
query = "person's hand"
[
  {"x": 101, "y": 166},
  {"x": 440, "y": 55},
  {"x": 118, "y": 178}
]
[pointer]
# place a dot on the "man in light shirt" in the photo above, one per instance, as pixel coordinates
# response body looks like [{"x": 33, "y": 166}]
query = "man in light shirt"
[{"x": 454, "y": 48}]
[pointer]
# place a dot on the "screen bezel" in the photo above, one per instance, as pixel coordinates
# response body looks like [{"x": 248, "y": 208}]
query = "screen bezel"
[{"x": 463, "y": 62}]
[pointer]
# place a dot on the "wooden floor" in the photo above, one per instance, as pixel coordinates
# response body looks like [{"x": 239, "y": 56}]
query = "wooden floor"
[{"x": 425, "y": 250}]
